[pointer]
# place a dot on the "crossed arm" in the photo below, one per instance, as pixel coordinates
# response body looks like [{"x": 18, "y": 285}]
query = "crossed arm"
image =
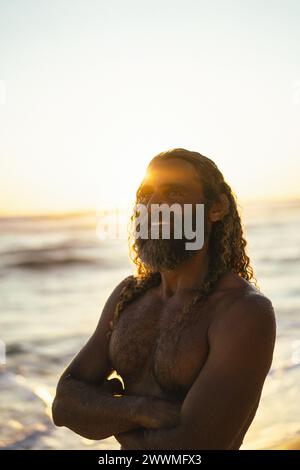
[
  {"x": 95, "y": 411},
  {"x": 96, "y": 408},
  {"x": 222, "y": 402},
  {"x": 217, "y": 408}
]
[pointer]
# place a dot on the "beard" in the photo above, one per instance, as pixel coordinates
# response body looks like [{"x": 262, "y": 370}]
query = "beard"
[{"x": 163, "y": 254}]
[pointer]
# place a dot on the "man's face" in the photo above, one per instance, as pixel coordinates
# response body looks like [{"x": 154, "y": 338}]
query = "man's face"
[{"x": 168, "y": 183}]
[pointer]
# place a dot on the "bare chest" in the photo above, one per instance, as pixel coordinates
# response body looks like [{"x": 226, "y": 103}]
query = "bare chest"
[{"x": 157, "y": 350}]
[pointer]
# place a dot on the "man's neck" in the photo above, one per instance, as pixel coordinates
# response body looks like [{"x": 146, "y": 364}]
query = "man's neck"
[{"x": 188, "y": 275}]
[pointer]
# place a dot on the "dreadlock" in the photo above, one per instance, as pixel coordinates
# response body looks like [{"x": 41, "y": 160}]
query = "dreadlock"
[{"x": 226, "y": 243}]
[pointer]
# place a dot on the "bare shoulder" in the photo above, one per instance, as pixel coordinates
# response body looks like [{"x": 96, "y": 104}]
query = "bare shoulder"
[
  {"x": 113, "y": 298},
  {"x": 247, "y": 327},
  {"x": 253, "y": 307},
  {"x": 249, "y": 308},
  {"x": 106, "y": 316},
  {"x": 245, "y": 303}
]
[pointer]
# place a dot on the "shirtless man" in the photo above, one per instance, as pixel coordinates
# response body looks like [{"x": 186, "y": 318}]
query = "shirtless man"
[{"x": 189, "y": 334}]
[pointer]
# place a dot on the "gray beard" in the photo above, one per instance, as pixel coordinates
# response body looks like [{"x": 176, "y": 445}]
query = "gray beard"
[{"x": 163, "y": 254}]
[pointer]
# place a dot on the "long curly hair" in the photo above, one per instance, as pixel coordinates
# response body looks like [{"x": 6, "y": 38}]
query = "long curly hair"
[{"x": 226, "y": 245}]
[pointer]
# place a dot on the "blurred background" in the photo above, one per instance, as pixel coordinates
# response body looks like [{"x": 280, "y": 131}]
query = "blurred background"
[{"x": 89, "y": 93}]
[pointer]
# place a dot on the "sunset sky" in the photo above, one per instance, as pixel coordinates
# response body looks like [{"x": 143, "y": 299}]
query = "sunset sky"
[{"x": 91, "y": 90}]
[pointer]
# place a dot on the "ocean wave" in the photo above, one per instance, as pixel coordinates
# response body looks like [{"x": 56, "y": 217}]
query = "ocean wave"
[
  {"x": 41, "y": 263},
  {"x": 284, "y": 367},
  {"x": 19, "y": 433},
  {"x": 280, "y": 259},
  {"x": 56, "y": 350},
  {"x": 43, "y": 252},
  {"x": 56, "y": 257},
  {"x": 28, "y": 440},
  {"x": 48, "y": 222},
  {"x": 63, "y": 245}
]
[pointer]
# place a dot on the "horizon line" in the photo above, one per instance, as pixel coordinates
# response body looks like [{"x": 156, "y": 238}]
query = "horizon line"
[{"x": 93, "y": 210}]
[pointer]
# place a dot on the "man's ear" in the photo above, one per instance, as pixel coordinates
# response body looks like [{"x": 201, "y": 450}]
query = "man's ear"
[{"x": 219, "y": 208}]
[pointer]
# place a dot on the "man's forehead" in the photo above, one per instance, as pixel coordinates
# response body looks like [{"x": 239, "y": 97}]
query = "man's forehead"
[{"x": 171, "y": 172}]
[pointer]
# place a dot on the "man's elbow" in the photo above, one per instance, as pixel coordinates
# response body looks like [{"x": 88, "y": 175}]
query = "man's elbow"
[
  {"x": 60, "y": 403},
  {"x": 57, "y": 412}
]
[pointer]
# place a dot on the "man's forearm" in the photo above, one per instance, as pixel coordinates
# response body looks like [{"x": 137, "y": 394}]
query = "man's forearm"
[{"x": 92, "y": 412}]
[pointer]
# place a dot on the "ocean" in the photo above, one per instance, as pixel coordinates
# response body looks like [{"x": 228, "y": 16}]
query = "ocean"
[{"x": 55, "y": 275}]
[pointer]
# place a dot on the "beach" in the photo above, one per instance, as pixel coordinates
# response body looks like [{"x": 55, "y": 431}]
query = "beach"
[{"x": 56, "y": 273}]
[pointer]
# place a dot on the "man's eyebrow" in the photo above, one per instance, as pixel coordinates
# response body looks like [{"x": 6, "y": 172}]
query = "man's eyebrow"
[{"x": 174, "y": 185}]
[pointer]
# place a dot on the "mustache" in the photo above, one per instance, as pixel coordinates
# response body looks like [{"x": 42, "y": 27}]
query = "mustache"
[{"x": 153, "y": 220}]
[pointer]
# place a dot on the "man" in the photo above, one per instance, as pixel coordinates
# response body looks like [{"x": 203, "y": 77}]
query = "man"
[{"x": 189, "y": 334}]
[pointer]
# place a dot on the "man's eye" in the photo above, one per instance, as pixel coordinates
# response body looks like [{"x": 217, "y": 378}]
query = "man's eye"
[{"x": 174, "y": 193}]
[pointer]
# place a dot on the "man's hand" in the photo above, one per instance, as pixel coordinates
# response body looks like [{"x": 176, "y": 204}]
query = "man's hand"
[{"x": 155, "y": 413}]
